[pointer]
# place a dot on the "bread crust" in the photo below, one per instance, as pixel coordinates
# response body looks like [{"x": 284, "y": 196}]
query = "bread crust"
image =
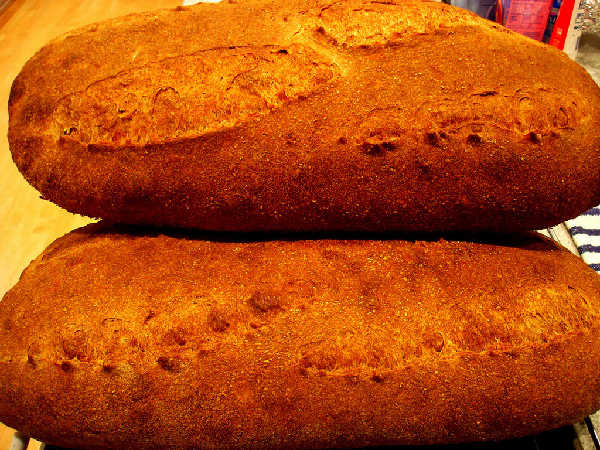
[
  {"x": 154, "y": 341},
  {"x": 307, "y": 115}
]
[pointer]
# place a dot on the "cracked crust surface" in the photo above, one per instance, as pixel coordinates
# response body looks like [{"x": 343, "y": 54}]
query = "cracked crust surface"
[
  {"x": 228, "y": 85},
  {"x": 113, "y": 339},
  {"x": 309, "y": 115}
]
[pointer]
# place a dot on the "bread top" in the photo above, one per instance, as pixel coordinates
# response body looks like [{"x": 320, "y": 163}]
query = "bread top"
[
  {"x": 307, "y": 115},
  {"x": 119, "y": 301},
  {"x": 182, "y": 74}
]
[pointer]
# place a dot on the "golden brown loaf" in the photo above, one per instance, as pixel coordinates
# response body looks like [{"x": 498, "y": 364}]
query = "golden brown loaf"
[
  {"x": 309, "y": 115},
  {"x": 132, "y": 340}
]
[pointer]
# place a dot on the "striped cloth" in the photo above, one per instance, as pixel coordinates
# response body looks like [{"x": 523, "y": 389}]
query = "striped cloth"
[{"x": 585, "y": 231}]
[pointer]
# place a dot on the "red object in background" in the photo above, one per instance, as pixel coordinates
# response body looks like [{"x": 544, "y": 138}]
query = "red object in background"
[
  {"x": 561, "y": 27},
  {"x": 528, "y": 17},
  {"x": 499, "y": 12}
]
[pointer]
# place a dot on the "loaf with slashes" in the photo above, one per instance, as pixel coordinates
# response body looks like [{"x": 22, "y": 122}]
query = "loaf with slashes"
[
  {"x": 114, "y": 339},
  {"x": 309, "y": 115}
]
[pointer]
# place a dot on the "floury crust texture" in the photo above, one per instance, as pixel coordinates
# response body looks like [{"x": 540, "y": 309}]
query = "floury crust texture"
[
  {"x": 309, "y": 115},
  {"x": 123, "y": 338}
]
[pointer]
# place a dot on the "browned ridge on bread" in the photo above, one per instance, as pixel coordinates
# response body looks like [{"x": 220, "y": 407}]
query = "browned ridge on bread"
[
  {"x": 309, "y": 115},
  {"x": 133, "y": 340}
]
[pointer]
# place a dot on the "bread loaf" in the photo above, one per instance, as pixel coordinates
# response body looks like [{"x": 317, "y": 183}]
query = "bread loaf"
[
  {"x": 132, "y": 340},
  {"x": 309, "y": 115}
]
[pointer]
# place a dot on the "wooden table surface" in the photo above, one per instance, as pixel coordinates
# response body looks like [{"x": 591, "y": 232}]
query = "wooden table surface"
[{"x": 27, "y": 223}]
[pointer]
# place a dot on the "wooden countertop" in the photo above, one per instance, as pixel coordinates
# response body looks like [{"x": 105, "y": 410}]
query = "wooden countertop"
[{"x": 27, "y": 223}]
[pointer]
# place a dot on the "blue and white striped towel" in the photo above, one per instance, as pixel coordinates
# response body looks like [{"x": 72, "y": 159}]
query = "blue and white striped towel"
[{"x": 585, "y": 231}]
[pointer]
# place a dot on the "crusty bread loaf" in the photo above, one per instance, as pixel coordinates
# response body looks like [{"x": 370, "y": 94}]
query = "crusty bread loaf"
[
  {"x": 309, "y": 115},
  {"x": 132, "y": 340}
]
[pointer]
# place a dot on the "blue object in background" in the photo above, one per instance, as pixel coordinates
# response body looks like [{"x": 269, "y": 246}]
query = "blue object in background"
[
  {"x": 551, "y": 20},
  {"x": 483, "y": 8}
]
